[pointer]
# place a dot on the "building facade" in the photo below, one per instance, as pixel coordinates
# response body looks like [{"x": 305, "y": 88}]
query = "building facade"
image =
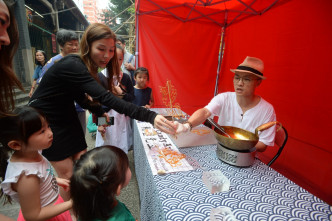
[
  {"x": 91, "y": 11},
  {"x": 38, "y": 22}
]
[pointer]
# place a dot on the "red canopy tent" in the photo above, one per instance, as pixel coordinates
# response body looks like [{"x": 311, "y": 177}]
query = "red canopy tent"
[{"x": 179, "y": 40}]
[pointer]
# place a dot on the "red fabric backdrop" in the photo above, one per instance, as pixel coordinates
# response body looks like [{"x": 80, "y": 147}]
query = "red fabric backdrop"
[
  {"x": 293, "y": 40},
  {"x": 190, "y": 63}
]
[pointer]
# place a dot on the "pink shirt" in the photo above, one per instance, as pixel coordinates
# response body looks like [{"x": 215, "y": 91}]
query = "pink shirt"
[{"x": 49, "y": 189}]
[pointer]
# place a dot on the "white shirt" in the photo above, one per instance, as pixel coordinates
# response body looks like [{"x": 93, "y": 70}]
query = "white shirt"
[
  {"x": 49, "y": 189},
  {"x": 226, "y": 107}
]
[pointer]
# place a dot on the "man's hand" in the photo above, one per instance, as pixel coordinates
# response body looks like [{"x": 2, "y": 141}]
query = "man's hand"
[{"x": 182, "y": 128}]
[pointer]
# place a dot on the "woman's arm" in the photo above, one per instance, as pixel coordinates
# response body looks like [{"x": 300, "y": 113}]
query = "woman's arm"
[
  {"x": 74, "y": 73},
  {"x": 131, "y": 110},
  {"x": 33, "y": 87},
  {"x": 90, "y": 86},
  {"x": 28, "y": 188},
  {"x": 84, "y": 101}
]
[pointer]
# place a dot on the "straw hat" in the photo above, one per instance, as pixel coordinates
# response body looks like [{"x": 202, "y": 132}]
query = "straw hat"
[{"x": 251, "y": 65}]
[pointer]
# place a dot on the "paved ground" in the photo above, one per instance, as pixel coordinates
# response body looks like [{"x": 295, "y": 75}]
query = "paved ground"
[{"x": 129, "y": 195}]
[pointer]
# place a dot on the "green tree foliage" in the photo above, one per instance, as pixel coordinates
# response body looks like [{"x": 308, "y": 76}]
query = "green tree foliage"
[
  {"x": 108, "y": 17},
  {"x": 124, "y": 9}
]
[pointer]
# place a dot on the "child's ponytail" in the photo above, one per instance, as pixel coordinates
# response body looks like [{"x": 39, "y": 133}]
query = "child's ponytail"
[{"x": 98, "y": 174}]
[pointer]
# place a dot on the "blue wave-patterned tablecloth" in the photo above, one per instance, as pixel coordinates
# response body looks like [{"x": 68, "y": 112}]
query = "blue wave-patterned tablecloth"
[{"x": 256, "y": 193}]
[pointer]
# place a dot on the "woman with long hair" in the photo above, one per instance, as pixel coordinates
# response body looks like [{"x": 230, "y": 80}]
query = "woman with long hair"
[
  {"x": 8, "y": 47},
  {"x": 70, "y": 80}
]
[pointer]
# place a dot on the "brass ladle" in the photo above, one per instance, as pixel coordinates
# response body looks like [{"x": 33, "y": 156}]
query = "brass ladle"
[{"x": 218, "y": 127}]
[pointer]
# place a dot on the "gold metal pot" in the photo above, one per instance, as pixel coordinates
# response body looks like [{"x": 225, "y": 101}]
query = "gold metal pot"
[{"x": 240, "y": 139}]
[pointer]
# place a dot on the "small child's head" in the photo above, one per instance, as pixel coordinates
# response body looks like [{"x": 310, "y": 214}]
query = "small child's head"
[
  {"x": 98, "y": 177},
  {"x": 22, "y": 126},
  {"x": 24, "y": 129},
  {"x": 141, "y": 77}
]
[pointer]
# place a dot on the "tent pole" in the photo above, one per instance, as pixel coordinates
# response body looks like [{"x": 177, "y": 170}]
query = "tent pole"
[
  {"x": 136, "y": 51},
  {"x": 221, "y": 55}
]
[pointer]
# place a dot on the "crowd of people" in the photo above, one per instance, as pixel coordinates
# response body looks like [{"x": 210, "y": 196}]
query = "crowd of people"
[
  {"x": 48, "y": 131},
  {"x": 96, "y": 74}
]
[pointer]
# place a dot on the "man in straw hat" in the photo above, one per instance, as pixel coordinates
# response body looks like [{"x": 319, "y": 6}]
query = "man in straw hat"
[{"x": 242, "y": 108}]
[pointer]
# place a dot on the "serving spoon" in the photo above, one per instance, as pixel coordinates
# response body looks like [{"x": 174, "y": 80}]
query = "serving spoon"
[{"x": 218, "y": 127}]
